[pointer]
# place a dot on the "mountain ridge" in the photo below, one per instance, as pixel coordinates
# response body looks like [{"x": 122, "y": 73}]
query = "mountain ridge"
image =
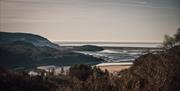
[
  {"x": 15, "y": 52},
  {"x": 37, "y": 40}
]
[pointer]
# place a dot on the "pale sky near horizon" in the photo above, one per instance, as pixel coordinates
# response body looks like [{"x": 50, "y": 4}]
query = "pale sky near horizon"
[{"x": 92, "y": 20}]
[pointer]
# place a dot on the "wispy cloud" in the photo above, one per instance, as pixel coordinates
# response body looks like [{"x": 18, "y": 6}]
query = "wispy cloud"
[
  {"x": 172, "y": 4},
  {"x": 87, "y": 18}
]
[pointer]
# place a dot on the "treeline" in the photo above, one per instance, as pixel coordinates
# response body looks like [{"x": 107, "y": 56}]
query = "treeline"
[{"x": 80, "y": 78}]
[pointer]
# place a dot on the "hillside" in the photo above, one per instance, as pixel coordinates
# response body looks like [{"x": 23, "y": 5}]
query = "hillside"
[
  {"x": 36, "y": 40},
  {"x": 153, "y": 72},
  {"x": 28, "y": 50}
]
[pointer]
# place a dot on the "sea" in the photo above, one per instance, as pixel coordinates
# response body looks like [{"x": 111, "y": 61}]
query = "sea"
[{"x": 116, "y": 52}]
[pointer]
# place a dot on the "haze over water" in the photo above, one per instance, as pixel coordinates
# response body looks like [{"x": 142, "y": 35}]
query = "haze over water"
[{"x": 112, "y": 44}]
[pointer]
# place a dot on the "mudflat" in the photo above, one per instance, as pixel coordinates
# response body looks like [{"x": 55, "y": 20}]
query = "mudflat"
[{"x": 114, "y": 67}]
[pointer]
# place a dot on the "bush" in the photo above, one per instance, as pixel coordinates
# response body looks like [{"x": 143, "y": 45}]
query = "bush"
[
  {"x": 170, "y": 42},
  {"x": 177, "y": 35},
  {"x": 80, "y": 71},
  {"x": 154, "y": 72}
]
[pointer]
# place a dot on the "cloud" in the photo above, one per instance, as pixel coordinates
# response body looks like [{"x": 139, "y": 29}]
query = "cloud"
[
  {"x": 97, "y": 18},
  {"x": 138, "y": 3}
]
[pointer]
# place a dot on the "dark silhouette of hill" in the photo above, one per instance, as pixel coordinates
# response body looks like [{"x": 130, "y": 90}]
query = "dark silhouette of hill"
[
  {"x": 88, "y": 48},
  {"x": 28, "y": 50},
  {"x": 36, "y": 40}
]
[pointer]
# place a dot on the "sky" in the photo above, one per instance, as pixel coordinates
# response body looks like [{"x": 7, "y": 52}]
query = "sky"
[{"x": 92, "y": 20}]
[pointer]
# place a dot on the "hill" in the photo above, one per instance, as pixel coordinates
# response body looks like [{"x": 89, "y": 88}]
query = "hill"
[
  {"x": 153, "y": 72},
  {"x": 88, "y": 48},
  {"x": 28, "y": 50},
  {"x": 36, "y": 40}
]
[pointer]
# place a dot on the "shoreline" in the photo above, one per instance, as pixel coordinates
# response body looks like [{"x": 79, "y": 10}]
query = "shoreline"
[
  {"x": 115, "y": 64},
  {"x": 114, "y": 67}
]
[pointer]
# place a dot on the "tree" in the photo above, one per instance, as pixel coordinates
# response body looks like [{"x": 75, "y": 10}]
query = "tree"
[
  {"x": 97, "y": 72},
  {"x": 168, "y": 41},
  {"x": 80, "y": 71},
  {"x": 177, "y": 35},
  {"x": 62, "y": 70}
]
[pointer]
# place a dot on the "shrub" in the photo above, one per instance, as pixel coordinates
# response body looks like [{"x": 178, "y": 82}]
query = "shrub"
[
  {"x": 170, "y": 42},
  {"x": 80, "y": 71}
]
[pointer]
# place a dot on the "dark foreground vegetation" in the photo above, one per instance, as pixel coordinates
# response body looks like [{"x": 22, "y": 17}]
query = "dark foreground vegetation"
[{"x": 151, "y": 72}]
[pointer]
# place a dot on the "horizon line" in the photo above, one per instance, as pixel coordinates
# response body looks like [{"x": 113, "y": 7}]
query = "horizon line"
[{"x": 107, "y": 42}]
